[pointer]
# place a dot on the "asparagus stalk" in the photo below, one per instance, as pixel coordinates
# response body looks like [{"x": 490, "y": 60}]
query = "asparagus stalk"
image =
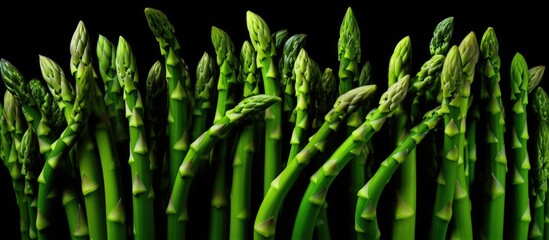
[
  {"x": 106, "y": 56},
  {"x": 228, "y": 69},
  {"x": 219, "y": 130},
  {"x": 155, "y": 111},
  {"x": 469, "y": 52},
  {"x": 369, "y": 195},
  {"x": 81, "y": 58},
  {"x": 493, "y": 214},
  {"x": 266, "y": 52},
  {"x": 240, "y": 208},
  {"x": 451, "y": 83},
  {"x": 280, "y": 37},
  {"x": 142, "y": 191},
  {"x": 518, "y": 192},
  {"x": 538, "y": 175},
  {"x": 314, "y": 197},
  {"x": 267, "y": 214},
  {"x": 325, "y": 97}
]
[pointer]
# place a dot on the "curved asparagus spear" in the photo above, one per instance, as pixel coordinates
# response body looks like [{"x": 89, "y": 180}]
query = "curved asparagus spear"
[
  {"x": 240, "y": 208},
  {"x": 314, "y": 197},
  {"x": 440, "y": 42},
  {"x": 494, "y": 196},
  {"x": 142, "y": 191},
  {"x": 265, "y": 48},
  {"x": 540, "y": 166},
  {"x": 106, "y": 57},
  {"x": 267, "y": 214},
  {"x": 519, "y": 197},
  {"x": 368, "y": 196},
  {"x": 219, "y": 130},
  {"x": 469, "y": 52},
  {"x": 535, "y": 74},
  {"x": 81, "y": 59}
]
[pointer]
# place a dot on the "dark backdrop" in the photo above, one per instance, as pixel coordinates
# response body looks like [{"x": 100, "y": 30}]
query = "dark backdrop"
[{"x": 27, "y": 30}]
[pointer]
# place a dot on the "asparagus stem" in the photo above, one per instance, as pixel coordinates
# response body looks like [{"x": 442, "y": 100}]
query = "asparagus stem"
[
  {"x": 451, "y": 83},
  {"x": 32, "y": 164},
  {"x": 142, "y": 191},
  {"x": 366, "y": 223},
  {"x": 265, "y": 48},
  {"x": 267, "y": 214},
  {"x": 493, "y": 215},
  {"x": 194, "y": 158},
  {"x": 228, "y": 69}
]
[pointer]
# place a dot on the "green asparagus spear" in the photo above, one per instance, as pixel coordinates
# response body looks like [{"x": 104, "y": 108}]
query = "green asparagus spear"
[
  {"x": 266, "y": 52},
  {"x": 349, "y": 51},
  {"x": 491, "y": 224},
  {"x": 206, "y": 77},
  {"x": 440, "y": 42},
  {"x": 142, "y": 191},
  {"x": 286, "y": 68}
]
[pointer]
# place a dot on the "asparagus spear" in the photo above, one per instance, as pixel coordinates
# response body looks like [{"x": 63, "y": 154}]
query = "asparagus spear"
[
  {"x": 493, "y": 208},
  {"x": 240, "y": 208},
  {"x": 206, "y": 77},
  {"x": 316, "y": 192},
  {"x": 349, "y": 51},
  {"x": 32, "y": 164},
  {"x": 228, "y": 69},
  {"x": 469, "y": 52},
  {"x": 265, "y": 48},
  {"x": 142, "y": 191},
  {"x": 81, "y": 59},
  {"x": 325, "y": 97},
  {"x": 267, "y": 214},
  {"x": 219, "y": 130},
  {"x": 518, "y": 191},
  {"x": 539, "y": 173},
  {"x": 280, "y": 37},
  {"x": 155, "y": 111},
  {"x": 369, "y": 195}
]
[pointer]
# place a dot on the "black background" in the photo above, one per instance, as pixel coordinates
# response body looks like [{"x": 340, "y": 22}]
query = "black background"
[{"x": 28, "y": 29}]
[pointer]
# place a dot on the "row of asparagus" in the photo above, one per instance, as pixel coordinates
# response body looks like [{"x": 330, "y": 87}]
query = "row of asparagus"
[{"x": 118, "y": 156}]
